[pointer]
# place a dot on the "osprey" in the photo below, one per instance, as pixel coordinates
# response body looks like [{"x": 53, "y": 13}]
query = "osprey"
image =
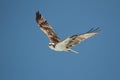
[{"x": 62, "y": 45}]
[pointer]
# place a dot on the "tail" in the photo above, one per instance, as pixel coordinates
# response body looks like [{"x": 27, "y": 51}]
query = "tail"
[{"x": 73, "y": 51}]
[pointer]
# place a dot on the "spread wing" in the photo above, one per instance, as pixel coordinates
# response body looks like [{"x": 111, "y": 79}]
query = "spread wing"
[
  {"x": 75, "y": 39},
  {"x": 46, "y": 28}
]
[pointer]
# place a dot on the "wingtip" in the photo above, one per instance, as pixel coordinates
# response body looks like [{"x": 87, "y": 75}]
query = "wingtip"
[
  {"x": 97, "y": 30},
  {"x": 38, "y": 16},
  {"x": 37, "y": 12}
]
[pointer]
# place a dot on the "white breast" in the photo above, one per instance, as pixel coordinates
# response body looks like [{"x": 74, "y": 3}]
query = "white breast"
[{"x": 59, "y": 47}]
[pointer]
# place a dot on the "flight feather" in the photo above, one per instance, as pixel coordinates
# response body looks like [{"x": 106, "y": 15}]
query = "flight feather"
[{"x": 46, "y": 28}]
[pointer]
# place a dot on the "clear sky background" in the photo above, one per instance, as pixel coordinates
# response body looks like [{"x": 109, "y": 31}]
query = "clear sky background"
[{"x": 24, "y": 51}]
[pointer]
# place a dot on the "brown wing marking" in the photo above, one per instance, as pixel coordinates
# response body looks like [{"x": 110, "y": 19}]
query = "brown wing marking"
[
  {"x": 75, "y": 39},
  {"x": 47, "y": 29}
]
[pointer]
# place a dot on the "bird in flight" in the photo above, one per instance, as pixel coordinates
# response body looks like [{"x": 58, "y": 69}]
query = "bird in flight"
[{"x": 62, "y": 45}]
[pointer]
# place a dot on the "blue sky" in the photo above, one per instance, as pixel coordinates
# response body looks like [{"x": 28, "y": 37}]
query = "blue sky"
[{"x": 24, "y": 52}]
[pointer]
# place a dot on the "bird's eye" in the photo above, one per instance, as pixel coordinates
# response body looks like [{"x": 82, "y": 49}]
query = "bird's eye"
[{"x": 50, "y": 44}]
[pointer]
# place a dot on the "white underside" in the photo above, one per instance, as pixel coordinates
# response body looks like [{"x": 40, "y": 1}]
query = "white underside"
[
  {"x": 62, "y": 47},
  {"x": 59, "y": 47}
]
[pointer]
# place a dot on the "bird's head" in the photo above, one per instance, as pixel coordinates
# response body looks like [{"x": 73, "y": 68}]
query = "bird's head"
[{"x": 51, "y": 45}]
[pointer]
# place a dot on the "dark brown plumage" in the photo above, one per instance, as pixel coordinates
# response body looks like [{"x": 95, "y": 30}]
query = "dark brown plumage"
[{"x": 47, "y": 29}]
